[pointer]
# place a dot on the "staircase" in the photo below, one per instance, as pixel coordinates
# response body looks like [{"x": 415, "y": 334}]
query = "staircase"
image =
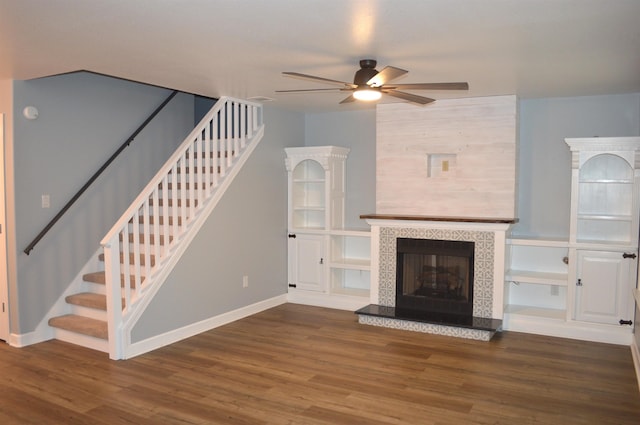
[{"x": 145, "y": 244}]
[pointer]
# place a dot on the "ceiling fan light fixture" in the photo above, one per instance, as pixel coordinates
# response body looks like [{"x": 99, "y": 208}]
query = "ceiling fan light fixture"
[{"x": 367, "y": 94}]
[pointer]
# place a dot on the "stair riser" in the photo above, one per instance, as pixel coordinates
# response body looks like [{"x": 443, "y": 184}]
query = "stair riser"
[
  {"x": 161, "y": 221},
  {"x": 88, "y": 312},
  {"x": 93, "y": 287},
  {"x": 82, "y": 340},
  {"x": 178, "y": 202},
  {"x": 152, "y": 249},
  {"x": 131, "y": 262},
  {"x": 100, "y": 280}
]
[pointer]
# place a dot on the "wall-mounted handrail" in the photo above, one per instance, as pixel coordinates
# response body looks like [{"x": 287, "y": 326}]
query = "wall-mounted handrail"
[{"x": 93, "y": 178}]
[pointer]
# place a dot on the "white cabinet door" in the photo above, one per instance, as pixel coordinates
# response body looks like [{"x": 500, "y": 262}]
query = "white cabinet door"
[
  {"x": 603, "y": 293},
  {"x": 307, "y": 264}
]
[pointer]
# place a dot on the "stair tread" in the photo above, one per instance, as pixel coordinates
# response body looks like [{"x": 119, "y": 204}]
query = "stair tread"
[
  {"x": 82, "y": 325},
  {"x": 90, "y": 299}
]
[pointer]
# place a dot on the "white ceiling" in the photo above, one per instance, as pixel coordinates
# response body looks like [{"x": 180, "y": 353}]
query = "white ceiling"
[{"x": 532, "y": 48}]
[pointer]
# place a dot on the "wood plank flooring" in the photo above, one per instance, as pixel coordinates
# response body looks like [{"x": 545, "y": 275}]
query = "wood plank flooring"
[{"x": 305, "y": 365}]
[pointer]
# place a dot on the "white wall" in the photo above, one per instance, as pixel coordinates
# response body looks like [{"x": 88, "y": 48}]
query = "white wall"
[
  {"x": 355, "y": 130},
  {"x": 545, "y": 161},
  {"x": 245, "y": 235},
  {"x": 83, "y": 119}
]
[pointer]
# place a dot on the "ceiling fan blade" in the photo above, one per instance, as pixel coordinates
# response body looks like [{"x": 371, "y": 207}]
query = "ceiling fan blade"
[
  {"x": 388, "y": 73},
  {"x": 348, "y": 99},
  {"x": 414, "y": 98},
  {"x": 432, "y": 86},
  {"x": 317, "y": 79},
  {"x": 308, "y": 90}
]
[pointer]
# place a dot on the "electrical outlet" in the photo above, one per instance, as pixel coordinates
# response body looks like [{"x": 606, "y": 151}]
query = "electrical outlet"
[
  {"x": 245, "y": 281},
  {"x": 46, "y": 201}
]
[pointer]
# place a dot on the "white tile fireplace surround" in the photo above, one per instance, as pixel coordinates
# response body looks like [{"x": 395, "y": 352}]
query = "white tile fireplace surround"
[{"x": 488, "y": 236}]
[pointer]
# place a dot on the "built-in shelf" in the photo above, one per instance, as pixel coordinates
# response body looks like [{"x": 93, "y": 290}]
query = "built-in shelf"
[
  {"x": 351, "y": 263},
  {"x": 544, "y": 313},
  {"x": 329, "y": 265},
  {"x": 536, "y": 241},
  {"x": 321, "y": 181},
  {"x": 607, "y": 181},
  {"x": 542, "y": 278},
  {"x": 481, "y": 220},
  {"x": 612, "y": 217},
  {"x": 537, "y": 261}
]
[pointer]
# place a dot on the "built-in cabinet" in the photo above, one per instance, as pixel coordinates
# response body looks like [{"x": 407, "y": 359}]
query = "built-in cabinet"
[
  {"x": 583, "y": 287},
  {"x": 329, "y": 265}
]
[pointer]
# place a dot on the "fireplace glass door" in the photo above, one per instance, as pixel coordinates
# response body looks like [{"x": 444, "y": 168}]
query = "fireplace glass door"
[{"x": 434, "y": 276}]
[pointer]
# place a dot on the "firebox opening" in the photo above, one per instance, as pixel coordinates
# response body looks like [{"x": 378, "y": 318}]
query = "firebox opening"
[{"x": 435, "y": 276}]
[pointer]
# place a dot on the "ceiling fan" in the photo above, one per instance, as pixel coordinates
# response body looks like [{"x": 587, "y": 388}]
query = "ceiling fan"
[{"x": 369, "y": 84}]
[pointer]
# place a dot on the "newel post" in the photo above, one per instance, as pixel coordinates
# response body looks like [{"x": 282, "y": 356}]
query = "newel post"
[{"x": 114, "y": 297}]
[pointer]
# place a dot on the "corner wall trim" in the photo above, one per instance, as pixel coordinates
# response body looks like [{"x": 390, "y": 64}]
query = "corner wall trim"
[{"x": 635, "y": 353}]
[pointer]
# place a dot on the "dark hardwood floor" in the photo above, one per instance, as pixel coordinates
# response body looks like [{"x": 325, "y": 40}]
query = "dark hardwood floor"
[{"x": 305, "y": 365}]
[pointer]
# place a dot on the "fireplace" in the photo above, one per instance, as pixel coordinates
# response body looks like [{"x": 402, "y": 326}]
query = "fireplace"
[
  {"x": 434, "y": 277},
  {"x": 465, "y": 300}
]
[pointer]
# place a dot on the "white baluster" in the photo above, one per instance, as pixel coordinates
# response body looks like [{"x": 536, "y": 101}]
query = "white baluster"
[
  {"x": 184, "y": 187},
  {"x": 174, "y": 196},
  {"x": 222, "y": 135},
  {"x": 243, "y": 124},
  {"x": 147, "y": 229},
  {"x": 208, "y": 163},
  {"x": 136, "y": 252},
  {"x": 229, "y": 134},
  {"x": 126, "y": 269},
  {"x": 162, "y": 249},
  {"x": 214, "y": 147}
]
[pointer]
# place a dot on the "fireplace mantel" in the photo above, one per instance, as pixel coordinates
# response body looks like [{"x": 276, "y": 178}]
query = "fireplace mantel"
[{"x": 435, "y": 218}]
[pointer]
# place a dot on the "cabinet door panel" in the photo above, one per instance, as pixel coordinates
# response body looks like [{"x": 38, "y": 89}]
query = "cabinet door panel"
[
  {"x": 604, "y": 293},
  {"x": 307, "y": 262}
]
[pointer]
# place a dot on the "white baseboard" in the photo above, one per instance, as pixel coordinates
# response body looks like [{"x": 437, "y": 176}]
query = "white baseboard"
[
  {"x": 141, "y": 347},
  {"x": 23, "y": 340},
  {"x": 568, "y": 329},
  {"x": 339, "y": 302}
]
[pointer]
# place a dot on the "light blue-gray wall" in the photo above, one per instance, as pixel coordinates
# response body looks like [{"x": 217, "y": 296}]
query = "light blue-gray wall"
[
  {"x": 355, "y": 130},
  {"x": 545, "y": 162},
  {"x": 544, "y": 181},
  {"x": 83, "y": 119},
  {"x": 245, "y": 235}
]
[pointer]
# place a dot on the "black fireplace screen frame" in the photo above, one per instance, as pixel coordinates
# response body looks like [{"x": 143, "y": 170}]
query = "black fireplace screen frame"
[{"x": 462, "y": 305}]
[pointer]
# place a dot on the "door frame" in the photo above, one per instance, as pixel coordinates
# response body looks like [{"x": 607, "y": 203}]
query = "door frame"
[{"x": 4, "y": 287}]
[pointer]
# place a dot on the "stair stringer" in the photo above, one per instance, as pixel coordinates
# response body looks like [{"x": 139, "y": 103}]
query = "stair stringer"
[{"x": 124, "y": 348}]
